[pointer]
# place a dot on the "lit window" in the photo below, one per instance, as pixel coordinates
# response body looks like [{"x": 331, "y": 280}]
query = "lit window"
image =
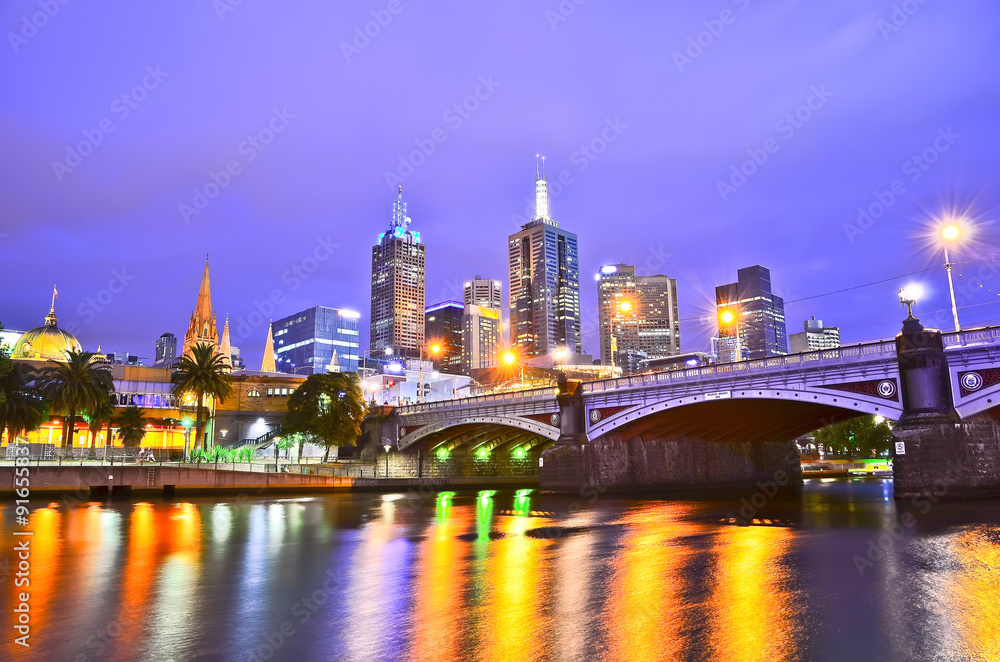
[{"x": 253, "y": 393}]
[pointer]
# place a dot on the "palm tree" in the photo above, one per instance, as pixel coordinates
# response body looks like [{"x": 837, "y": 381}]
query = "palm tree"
[
  {"x": 131, "y": 426},
  {"x": 205, "y": 373},
  {"x": 100, "y": 417},
  {"x": 21, "y": 407},
  {"x": 75, "y": 385}
]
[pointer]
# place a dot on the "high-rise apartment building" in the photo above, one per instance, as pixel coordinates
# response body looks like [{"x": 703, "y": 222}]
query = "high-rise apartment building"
[
  {"x": 480, "y": 337},
  {"x": 166, "y": 349},
  {"x": 544, "y": 281},
  {"x": 443, "y": 328},
  {"x": 748, "y": 309},
  {"x": 815, "y": 337},
  {"x": 316, "y": 341},
  {"x": 483, "y": 292},
  {"x": 398, "y": 287},
  {"x": 640, "y": 313}
]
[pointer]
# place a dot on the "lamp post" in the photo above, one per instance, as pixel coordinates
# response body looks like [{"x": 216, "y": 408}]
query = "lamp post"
[
  {"x": 728, "y": 317},
  {"x": 187, "y": 438},
  {"x": 510, "y": 358},
  {"x": 386, "y": 447},
  {"x": 908, "y": 297},
  {"x": 949, "y": 234},
  {"x": 276, "y": 449},
  {"x": 560, "y": 355},
  {"x": 435, "y": 350}
]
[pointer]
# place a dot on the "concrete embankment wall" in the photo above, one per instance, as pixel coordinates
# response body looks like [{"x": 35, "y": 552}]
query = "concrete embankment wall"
[{"x": 149, "y": 479}]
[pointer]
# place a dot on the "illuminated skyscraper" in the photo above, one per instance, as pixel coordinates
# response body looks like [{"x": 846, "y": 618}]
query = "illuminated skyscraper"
[
  {"x": 544, "y": 281},
  {"x": 398, "y": 282},
  {"x": 443, "y": 327},
  {"x": 758, "y": 314},
  {"x": 483, "y": 292},
  {"x": 317, "y": 340},
  {"x": 641, "y": 313},
  {"x": 166, "y": 349}
]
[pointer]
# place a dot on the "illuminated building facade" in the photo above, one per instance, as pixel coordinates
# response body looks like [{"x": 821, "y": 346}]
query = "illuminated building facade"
[
  {"x": 398, "y": 287},
  {"x": 484, "y": 292},
  {"x": 443, "y": 327},
  {"x": 640, "y": 312},
  {"x": 544, "y": 282},
  {"x": 480, "y": 337},
  {"x": 312, "y": 340},
  {"x": 814, "y": 337},
  {"x": 759, "y": 314}
]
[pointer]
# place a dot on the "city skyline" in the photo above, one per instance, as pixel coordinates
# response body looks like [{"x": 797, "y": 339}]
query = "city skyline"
[{"x": 642, "y": 165}]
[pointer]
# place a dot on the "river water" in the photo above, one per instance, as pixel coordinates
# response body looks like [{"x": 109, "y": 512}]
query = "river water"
[{"x": 838, "y": 571}]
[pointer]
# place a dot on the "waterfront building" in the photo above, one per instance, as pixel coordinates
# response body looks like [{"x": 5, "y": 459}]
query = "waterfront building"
[
  {"x": 443, "y": 328},
  {"x": 544, "y": 282},
  {"x": 815, "y": 337},
  {"x": 311, "y": 341},
  {"x": 398, "y": 287},
  {"x": 750, "y": 310},
  {"x": 47, "y": 342},
  {"x": 638, "y": 316}
]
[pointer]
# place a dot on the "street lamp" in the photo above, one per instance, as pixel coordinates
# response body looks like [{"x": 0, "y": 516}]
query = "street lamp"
[
  {"x": 950, "y": 233},
  {"x": 187, "y": 437},
  {"x": 727, "y": 317},
  {"x": 908, "y": 296},
  {"x": 386, "y": 447},
  {"x": 435, "y": 349},
  {"x": 560, "y": 355},
  {"x": 510, "y": 358}
]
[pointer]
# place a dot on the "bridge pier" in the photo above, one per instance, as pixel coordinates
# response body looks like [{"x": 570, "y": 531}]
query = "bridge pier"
[{"x": 937, "y": 455}]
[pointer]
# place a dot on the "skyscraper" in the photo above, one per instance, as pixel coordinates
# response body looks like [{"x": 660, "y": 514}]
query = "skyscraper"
[
  {"x": 166, "y": 349},
  {"x": 443, "y": 327},
  {"x": 758, "y": 315},
  {"x": 544, "y": 281},
  {"x": 398, "y": 281},
  {"x": 483, "y": 292},
  {"x": 640, "y": 312},
  {"x": 202, "y": 327},
  {"x": 311, "y": 341}
]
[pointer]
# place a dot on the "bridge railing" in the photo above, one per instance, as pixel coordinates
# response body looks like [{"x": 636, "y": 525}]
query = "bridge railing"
[
  {"x": 875, "y": 350},
  {"x": 521, "y": 396},
  {"x": 987, "y": 335}
]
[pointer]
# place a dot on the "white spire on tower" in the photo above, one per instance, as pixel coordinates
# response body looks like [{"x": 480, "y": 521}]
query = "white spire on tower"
[{"x": 541, "y": 190}]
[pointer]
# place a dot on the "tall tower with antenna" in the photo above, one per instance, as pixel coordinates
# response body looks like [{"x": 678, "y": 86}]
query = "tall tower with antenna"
[{"x": 544, "y": 281}]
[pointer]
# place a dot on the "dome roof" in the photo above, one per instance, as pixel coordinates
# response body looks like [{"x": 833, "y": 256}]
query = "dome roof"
[{"x": 47, "y": 342}]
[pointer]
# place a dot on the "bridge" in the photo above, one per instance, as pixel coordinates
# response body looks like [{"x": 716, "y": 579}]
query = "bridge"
[{"x": 722, "y": 425}]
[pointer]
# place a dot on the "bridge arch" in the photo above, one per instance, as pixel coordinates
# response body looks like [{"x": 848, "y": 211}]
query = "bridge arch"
[
  {"x": 747, "y": 414},
  {"x": 422, "y": 432}
]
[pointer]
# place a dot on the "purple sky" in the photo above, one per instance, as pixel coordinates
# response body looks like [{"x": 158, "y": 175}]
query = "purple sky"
[{"x": 651, "y": 197}]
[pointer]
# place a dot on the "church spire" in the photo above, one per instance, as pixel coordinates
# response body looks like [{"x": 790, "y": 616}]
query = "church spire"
[
  {"x": 267, "y": 365},
  {"x": 225, "y": 348},
  {"x": 202, "y": 328},
  {"x": 541, "y": 190}
]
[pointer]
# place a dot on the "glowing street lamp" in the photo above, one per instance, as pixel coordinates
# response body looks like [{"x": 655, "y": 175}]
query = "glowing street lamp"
[
  {"x": 386, "y": 447},
  {"x": 950, "y": 234},
  {"x": 728, "y": 318},
  {"x": 510, "y": 358},
  {"x": 908, "y": 296},
  {"x": 560, "y": 355},
  {"x": 623, "y": 307},
  {"x": 435, "y": 349},
  {"x": 187, "y": 437}
]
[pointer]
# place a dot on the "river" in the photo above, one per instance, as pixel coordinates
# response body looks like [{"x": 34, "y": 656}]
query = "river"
[{"x": 837, "y": 571}]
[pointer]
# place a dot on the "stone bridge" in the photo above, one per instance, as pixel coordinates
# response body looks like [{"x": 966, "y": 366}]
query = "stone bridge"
[{"x": 723, "y": 425}]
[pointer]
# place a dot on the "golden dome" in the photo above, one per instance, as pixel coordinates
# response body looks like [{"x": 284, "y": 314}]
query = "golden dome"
[{"x": 47, "y": 342}]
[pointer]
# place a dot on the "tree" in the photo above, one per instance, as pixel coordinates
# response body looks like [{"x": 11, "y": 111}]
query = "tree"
[
  {"x": 329, "y": 408},
  {"x": 21, "y": 407},
  {"x": 204, "y": 373},
  {"x": 866, "y": 435},
  {"x": 131, "y": 426},
  {"x": 75, "y": 386},
  {"x": 5, "y": 364},
  {"x": 99, "y": 418}
]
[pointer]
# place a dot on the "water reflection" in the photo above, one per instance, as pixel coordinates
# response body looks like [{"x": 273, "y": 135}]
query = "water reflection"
[
  {"x": 755, "y": 613},
  {"x": 456, "y": 576}
]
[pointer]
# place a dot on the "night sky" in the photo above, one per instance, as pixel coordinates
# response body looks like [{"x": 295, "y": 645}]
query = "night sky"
[{"x": 644, "y": 109}]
